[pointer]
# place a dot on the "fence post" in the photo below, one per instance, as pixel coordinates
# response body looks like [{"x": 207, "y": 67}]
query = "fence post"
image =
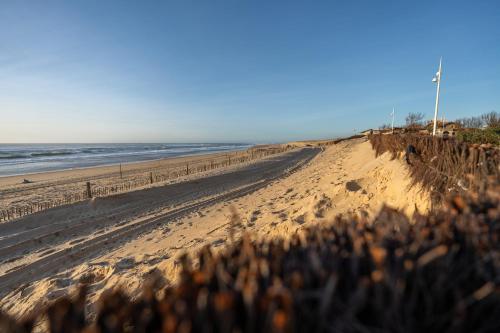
[
  {"x": 151, "y": 177},
  {"x": 89, "y": 190},
  {"x": 187, "y": 169},
  {"x": 121, "y": 174}
]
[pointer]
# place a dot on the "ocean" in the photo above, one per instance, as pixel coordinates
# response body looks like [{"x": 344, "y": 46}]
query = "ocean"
[{"x": 18, "y": 159}]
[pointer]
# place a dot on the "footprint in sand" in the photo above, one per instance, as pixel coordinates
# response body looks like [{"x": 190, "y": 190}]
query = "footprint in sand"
[
  {"x": 322, "y": 205},
  {"x": 301, "y": 219},
  {"x": 125, "y": 263},
  {"x": 283, "y": 216},
  {"x": 153, "y": 261},
  {"x": 26, "y": 290},
  {"x": 62, "y": 282},
  {"x": 218, "y": 242},
  {"x": 155, "y": 279},
  {"x": 197, "y": 241},
  {"x": 255, "y": 215},
  {"x": 96, "y": 273},
  {"x": 352, "y": 186},
  {"x": 58, "y": 293}
]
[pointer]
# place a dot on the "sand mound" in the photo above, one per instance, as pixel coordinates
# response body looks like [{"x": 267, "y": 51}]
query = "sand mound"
[{"x": 344, "y": 178}]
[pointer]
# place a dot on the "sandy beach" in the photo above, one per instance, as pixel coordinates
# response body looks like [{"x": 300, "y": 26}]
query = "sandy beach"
[
  {"x": 121, "y": 240},
  {"x": 242, "y": 167},
  {"x": 55, "y": 185}
]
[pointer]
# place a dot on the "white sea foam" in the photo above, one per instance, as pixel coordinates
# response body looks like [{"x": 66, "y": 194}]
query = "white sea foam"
[{"x": 18, "y": 159}]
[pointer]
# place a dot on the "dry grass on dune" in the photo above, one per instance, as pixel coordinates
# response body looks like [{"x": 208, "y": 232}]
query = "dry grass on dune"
[
  {"x": 444, "y": 166},
  {"x": 438, "y": 274}
]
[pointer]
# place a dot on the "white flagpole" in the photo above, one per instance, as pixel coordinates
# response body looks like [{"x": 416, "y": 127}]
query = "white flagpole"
[
  {"x": 392, "y": 124},
  {"x": 437, "y": 97}
]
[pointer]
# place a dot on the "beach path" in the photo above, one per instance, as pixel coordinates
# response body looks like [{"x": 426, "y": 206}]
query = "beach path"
[{"x": 44, "y": 243}]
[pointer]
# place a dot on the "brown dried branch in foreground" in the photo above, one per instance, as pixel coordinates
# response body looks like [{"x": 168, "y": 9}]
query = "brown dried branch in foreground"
[{"x": 439, "y": 274}]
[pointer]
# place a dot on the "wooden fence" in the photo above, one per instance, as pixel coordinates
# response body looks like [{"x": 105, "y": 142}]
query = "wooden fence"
[{"x": 155, "y": 175}]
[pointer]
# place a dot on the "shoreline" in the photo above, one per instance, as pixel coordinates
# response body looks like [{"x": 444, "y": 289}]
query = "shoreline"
[
  {"x": 127, "y": 163},
  {"x": 130, "y": 162},
  {"x": 93, "y": 172}
]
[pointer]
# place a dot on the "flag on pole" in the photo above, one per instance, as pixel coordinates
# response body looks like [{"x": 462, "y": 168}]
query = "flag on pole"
[{"x": 437, "y": 76}]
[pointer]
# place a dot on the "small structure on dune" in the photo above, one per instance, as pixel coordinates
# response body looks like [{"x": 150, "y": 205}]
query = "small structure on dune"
[
  {"x": 444, "y": 128},
  {"x": 384, "y": 131}
]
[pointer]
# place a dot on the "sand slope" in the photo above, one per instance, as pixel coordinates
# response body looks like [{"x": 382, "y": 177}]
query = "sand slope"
[{"x": 343, "y": 178}]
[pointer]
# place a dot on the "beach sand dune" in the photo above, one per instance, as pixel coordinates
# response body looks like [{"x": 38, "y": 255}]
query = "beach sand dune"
[{"x": 343, "y": 178}]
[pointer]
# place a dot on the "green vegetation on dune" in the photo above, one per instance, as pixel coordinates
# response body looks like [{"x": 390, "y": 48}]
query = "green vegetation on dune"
[{"x": 480, "y": 136}]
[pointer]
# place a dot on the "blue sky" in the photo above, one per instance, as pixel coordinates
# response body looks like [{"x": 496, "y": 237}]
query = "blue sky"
[{"x": 246, "y": 71}]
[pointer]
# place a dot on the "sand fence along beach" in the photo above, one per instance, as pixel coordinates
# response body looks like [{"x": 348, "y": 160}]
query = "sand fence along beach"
[{"x": 52, "y": 189}]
